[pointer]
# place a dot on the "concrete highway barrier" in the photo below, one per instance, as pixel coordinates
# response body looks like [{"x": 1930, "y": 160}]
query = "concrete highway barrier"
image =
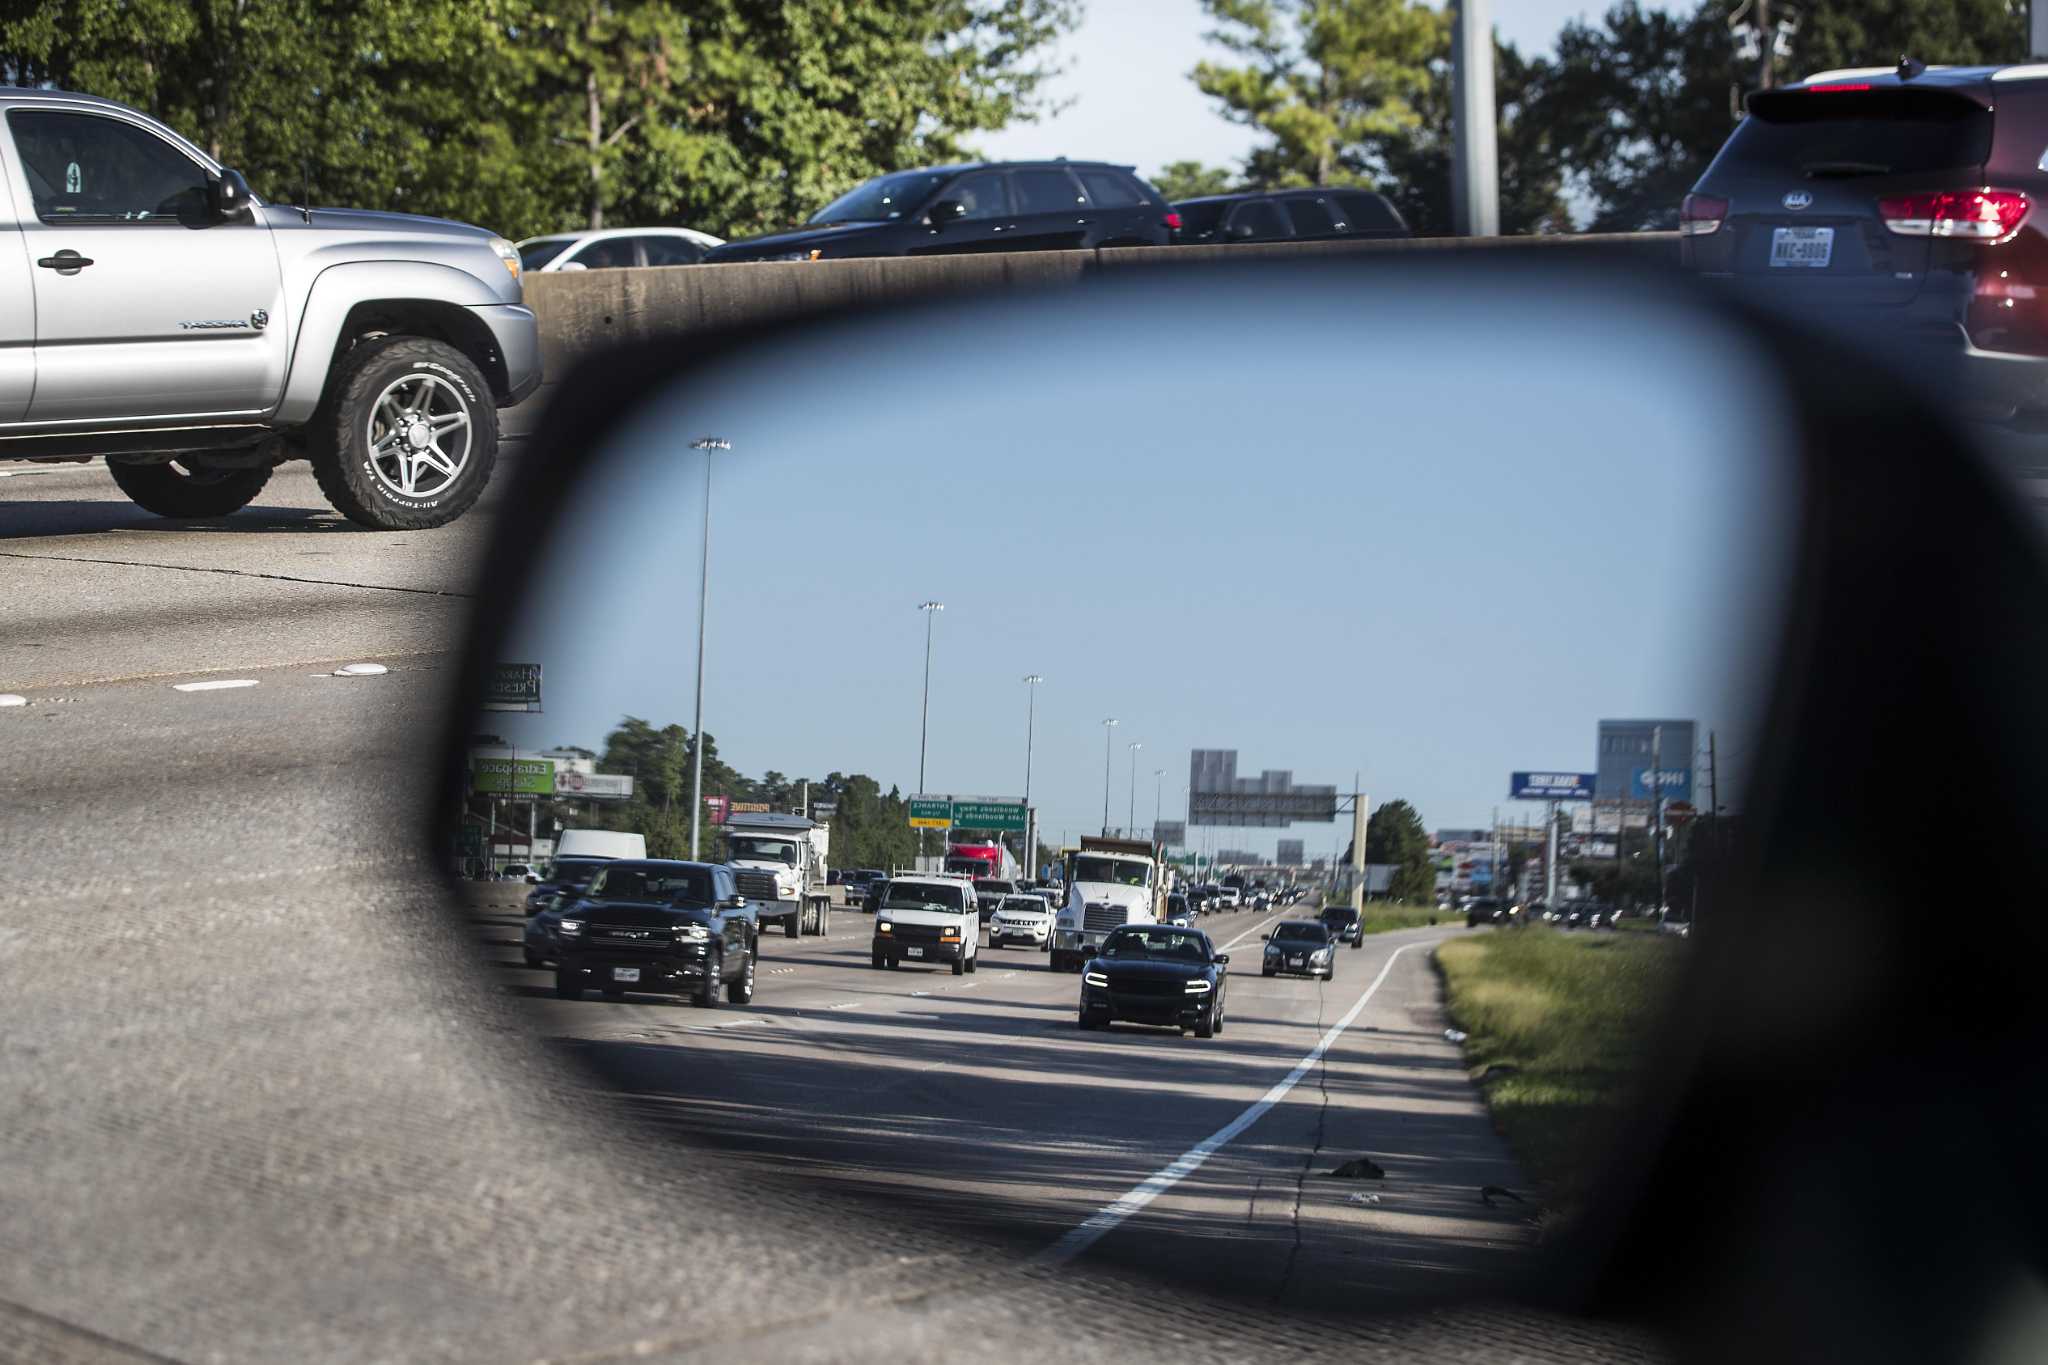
[{"x": 586, "y": 311}]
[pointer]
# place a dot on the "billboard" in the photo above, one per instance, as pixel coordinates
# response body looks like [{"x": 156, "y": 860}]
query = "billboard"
[
  {"x": 513, "y": 687},
  {"x": 1552, "y": 786},
  {"x": 581, "y": 786},
  {"x": 1218, "y": 796},
  {"x": 1171, "y": 833},
  {"x": 512, "y": 776},
  {"x": 1629, "y": 748},
  {"x": 1290, "y": 852}
]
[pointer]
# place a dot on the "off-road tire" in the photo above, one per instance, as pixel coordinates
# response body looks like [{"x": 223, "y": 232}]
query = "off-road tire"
[
  {"x": 705, "y": 997},
  {"x": 179, "y": 490},
  {"x": 740, "y": 991},
  {"x": 339, "y": 444}
]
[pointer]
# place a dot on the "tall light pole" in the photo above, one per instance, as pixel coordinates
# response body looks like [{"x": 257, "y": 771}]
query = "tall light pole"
[
  {"x": 1031, "y": 682},
  {"x": 924, "y": 718},
  {"x": 707, "y": 444},
  {"x": 1108, "y": 726},
  {"x": 1158, "y": 777},
  {"x": 1135, "y": 746}
]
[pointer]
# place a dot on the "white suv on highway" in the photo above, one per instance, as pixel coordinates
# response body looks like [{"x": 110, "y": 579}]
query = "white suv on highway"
[{"x": 927, "y": 918}]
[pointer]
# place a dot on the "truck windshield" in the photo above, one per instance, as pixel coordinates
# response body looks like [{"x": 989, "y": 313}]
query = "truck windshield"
[
  {"x": 763, "y": 850},
  {"x": 926, "y": 896},
  {"x": 1113, "y": 870},
  {"x": 689, "y": 886}
]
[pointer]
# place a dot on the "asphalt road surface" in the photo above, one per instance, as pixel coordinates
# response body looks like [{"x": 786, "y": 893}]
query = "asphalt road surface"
[{"x": 273, "y": 1091}]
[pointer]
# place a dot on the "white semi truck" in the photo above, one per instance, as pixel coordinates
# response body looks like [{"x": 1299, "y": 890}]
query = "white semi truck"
[
  {"x": 1109, "y": 883},
  {"x": 778, "y": 862}
]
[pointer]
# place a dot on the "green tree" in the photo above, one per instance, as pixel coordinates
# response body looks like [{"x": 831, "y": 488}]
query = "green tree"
[
  {"x": 1321, "y": 78},
  {"x": 1836, "y": 33},
  {"x": 1394, "y": 836},
  {"x": 1192, "y": 179}
]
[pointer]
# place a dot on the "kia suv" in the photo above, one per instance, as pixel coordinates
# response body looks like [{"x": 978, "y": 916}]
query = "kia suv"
[
  {"x": 1906, "y": 202},
  {"x": 985, "y": 206}
]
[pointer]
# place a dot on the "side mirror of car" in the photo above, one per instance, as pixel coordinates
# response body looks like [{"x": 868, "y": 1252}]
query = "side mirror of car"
[
  {"x": 1265, "y": 938},
  {"x": 735, "y": 903},
  {"x": 1221, "y": 959},
  {"x": 946, "y": 211},
  {"x": 566, "y": 266},
  {"x": 228, "y": 196}
]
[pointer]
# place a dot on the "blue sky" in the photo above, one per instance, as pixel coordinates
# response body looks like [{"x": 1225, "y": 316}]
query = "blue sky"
[
  {"x": 1333, "y": 533},
  {"x": 1131, "y": 99}
]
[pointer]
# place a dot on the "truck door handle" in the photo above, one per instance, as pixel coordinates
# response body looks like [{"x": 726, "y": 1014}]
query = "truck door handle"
[{"x": 65, "y": 262}]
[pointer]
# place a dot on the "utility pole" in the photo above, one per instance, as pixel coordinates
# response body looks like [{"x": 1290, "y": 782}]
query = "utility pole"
[
  {"x": 1550, "y": 857},
  {"x": 1359, "y": 806},
  {"x": 1475, "y": 167},
  {"x": 707, "y": 444},
  {"x": 1657, "y": 806},
  {"x": 1131, "y": 832},
  {"x": 1108, "y": 728},
  {"x": 924, "y": 719},
  {"x": 2037, "y": 29}
]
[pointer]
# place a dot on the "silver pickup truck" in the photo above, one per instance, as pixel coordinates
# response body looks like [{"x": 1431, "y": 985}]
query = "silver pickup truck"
[{"x": 156, "y": 312}]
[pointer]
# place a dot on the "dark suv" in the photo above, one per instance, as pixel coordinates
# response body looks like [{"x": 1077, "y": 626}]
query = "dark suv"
[
  {"x": 1900, "y": 201},
  {"x": 650, "y": 925},
  {"x": 985, "y": 206},
  {"x": 1289, "y": 216}
]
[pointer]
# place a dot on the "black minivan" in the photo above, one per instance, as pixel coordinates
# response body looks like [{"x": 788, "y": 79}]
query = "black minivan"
[{"x": 980, "y": 207}]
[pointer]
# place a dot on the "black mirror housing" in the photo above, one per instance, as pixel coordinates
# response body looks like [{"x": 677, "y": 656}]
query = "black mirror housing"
[
  {"x": 229, "y": 196},
  {"x": 946, "y": 211}
]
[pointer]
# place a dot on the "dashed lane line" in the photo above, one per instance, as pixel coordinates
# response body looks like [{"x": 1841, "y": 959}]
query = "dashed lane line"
[{"x": 213, "y": 685}]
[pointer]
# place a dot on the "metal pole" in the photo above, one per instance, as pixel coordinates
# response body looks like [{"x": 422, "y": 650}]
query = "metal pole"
[
  {"x": 707, "y": 444},
  {"x": 1475, "y": 168},
  {"x": 1657, "y": 807},
  {"x": 1550, "y": 858},
  {"x": 1107, "y": 726},
  {"x": 924, "y": 715},
  {"x": 1031, "y": 682},
  {"x": 2037, "y": 28},
  {"x": 1130, "y": 831},
  {"x": 1158, "y": 781},
  {"x": 1359, "y": 804}
]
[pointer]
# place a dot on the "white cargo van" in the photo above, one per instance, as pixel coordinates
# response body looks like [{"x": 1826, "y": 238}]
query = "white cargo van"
[{"x": 600, "y": 843}]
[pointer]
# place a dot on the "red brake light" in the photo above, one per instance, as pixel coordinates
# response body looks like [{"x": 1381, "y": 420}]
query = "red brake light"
[
  {"x": 1700, "y": 215},
  {"x": 1843, "y": 85},
  {"x": 1985, "y": 215},
  {"x": 1173, "y": 220}
]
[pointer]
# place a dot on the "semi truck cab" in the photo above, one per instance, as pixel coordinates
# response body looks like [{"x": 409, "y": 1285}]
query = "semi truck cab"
[{"x": 1109, "y": 883}]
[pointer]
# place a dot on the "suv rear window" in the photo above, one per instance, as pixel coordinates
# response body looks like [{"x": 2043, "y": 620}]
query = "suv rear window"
[
  {"x": 1110, "y": 190},
  {"x": 1369, "y": 213},
  {"x": 1837, "y": 134}
]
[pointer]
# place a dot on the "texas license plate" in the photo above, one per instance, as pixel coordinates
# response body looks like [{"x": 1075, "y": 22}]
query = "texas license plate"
[
  {"x": 1804, "y": 247},
  {"x": 625, "y": 973},
  {"x": 913, "y": 952},
  {"x": 1294, "y": 962}
]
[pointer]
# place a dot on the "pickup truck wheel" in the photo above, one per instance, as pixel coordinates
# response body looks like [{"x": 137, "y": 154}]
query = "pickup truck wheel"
[
  {"x": 741, "y": 991},
  {"x": 706, "y": 995},
  {"x": 411, "y": 435},
  {"x": 181, "y": 489}
]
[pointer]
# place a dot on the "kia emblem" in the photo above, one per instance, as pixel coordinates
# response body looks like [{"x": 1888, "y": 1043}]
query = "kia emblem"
[{"x": 1798, "y": 199}]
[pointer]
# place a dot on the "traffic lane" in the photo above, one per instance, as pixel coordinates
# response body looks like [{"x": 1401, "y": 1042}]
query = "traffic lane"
[
  {"x": 979, "y": 1102},
  {"x": 1390, "y": 1088},
  {"x": 99, "y": 589},
  {"x": 262, "y": 1106}
]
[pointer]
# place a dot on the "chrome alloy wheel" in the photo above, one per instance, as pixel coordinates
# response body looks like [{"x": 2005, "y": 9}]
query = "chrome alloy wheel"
[{"x": 419, "y": 435}]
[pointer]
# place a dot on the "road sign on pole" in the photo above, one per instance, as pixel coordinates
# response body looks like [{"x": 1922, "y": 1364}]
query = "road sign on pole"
[
  {"x": 931, "y": 812},
  {"x": 513, "y": 687}
]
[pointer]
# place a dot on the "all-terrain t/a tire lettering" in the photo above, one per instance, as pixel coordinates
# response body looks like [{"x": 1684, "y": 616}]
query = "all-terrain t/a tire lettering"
[{"x": 410, "y": 435}]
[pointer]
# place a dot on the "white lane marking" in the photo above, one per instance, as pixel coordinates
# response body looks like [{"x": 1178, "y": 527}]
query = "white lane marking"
[
  {"x": 847, "y": 1005},
  {"x": 360, "y": 670},
  {"x": 216, "y": 685},
  {"x": 23, "y": 473},
  {"x": 919, "y": 995},
  {"x": 1106, "y": 1219},
  {"x": 12, "y": 699}
]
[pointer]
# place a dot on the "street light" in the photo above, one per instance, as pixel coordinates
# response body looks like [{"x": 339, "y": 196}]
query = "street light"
[
  {"x": 707, "y": 444},
  {"x": 924, "y": 719},
  {"x": 1158, "y": 777},
  {"x": 1135, "y": 746},
  {"x": 1031, "y": 681},
  {"x": 1107, "y": 726}
]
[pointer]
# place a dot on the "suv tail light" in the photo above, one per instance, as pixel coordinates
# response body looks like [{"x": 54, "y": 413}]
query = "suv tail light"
[
  {"x": 1173, "y": 220},
  {"x": 1982, "y": 215},
  {"x": 1700, "y": 215}
]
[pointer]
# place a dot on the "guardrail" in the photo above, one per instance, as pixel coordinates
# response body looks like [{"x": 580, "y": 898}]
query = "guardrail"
[{"x": 584, "y": 311}]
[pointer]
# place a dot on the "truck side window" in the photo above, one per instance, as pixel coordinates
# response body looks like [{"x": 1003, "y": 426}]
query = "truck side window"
[{"x": 83, "y": 168}]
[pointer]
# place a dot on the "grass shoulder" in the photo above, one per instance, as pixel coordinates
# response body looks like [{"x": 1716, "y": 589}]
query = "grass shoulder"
[{"x": 1556, "y": 1026}]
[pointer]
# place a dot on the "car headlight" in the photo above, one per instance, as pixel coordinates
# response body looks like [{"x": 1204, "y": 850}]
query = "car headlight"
[
  {"x": 949, "y": 935},
  {"x": 572, "y": 927},
  {"x": 693, "y": 933},
  {"x": 507, "y": 253},
  {"x": 884, "y": 927},
  {"x": 1095, "y": 979},
  {"x": 1198, "y": 987}
]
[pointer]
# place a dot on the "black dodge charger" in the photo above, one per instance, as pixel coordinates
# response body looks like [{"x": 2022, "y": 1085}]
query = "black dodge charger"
[{"x": 1155, "y": 974}]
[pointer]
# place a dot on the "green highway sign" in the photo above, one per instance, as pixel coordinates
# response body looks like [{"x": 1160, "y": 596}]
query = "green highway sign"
[
  {"x": 1002, "y": 816},
  {"x": 931, "y": 812},
  {"x": 513, "y": 687}
]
